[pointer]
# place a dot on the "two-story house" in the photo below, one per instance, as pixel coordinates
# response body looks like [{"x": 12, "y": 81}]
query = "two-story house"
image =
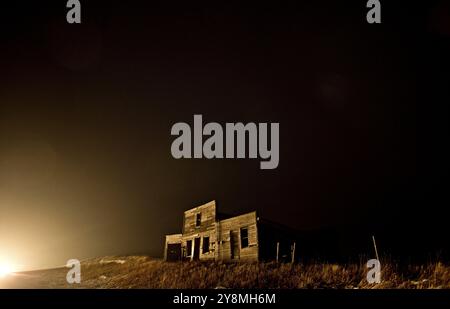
[{"x": 209, "y": 235}]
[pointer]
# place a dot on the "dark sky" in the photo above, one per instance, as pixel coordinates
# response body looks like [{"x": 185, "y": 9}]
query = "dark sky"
[{"x": 86, "y": 112}]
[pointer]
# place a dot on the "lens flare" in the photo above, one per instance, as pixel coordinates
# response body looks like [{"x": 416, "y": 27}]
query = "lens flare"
[{"x": 5, "y": 269}]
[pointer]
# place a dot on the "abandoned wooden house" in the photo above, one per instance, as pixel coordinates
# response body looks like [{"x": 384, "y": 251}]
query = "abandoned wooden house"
[{"x": 210, "y": 235}]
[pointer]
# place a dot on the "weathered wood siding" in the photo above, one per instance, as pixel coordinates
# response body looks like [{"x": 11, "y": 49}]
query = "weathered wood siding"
[
  {"x": 208, "y": 219},
  {"x": 207, "y": 228},
  {"x": 207, "y": 255},
  {"x": 230, "y": 238}
]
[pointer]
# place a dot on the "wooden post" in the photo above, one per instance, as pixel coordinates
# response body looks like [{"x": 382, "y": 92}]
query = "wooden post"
[
  {"x": 293, "y": 253},
  {"x": 375, "y": 246},
  {"x": 278, "y": 250}
]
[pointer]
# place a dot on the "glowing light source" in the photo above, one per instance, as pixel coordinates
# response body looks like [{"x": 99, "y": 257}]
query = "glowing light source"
[{"x": 5, "y": 269}]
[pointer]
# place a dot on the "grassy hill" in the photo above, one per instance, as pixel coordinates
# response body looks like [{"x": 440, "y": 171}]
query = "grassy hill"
[{"x": 144, "y": 272}]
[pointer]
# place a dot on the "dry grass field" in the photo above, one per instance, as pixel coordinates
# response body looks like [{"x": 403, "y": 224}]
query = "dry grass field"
[{"x": 143, "y": 272}]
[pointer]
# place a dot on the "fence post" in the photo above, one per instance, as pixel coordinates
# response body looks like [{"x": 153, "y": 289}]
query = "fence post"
[
  {"x": 278, "y": 249},
  {"x": 375, "y": 246},
  {"x": 293, "y": 254}
]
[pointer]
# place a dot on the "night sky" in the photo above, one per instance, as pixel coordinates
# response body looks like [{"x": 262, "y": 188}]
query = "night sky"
[{"x": 86, "y": 112}]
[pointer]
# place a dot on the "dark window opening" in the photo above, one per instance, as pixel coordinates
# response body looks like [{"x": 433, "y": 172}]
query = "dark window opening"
[
  {"x": 244, "y": 237},
  {"x": 205, "y": 244},
  {"x": 189, "y": 248},
  {"x": 198, "y": 219}
]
